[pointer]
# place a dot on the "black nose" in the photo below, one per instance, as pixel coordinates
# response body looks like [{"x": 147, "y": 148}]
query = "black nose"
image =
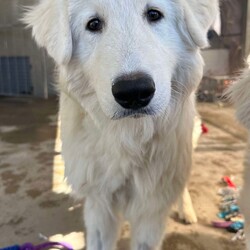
[{"x": 133, "y": 91}]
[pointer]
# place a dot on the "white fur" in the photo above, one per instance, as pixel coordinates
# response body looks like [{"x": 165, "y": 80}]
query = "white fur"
[
  {"x": 134, "y": 167},
  {"x": 240, "y": 93},
  {"x": 186, "y": 210}
]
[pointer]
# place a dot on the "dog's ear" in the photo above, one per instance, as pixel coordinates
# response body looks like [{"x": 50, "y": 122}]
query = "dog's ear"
[
  {"x": 50, "y": 25},
  {"x": 199, "y": 15}
]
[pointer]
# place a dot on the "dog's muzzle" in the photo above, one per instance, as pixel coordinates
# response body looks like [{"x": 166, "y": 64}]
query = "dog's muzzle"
[{"x": 133, "y": 91}]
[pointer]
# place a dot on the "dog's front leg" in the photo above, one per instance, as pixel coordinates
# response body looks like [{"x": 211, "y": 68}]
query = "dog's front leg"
[
  {"x": 185, "y": 208},
  {"x": 102, "y": 223},
  {"x": 148, "y": 230}
]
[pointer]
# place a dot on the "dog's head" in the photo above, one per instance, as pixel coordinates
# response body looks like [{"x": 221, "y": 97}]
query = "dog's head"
[{"x": 129, "y": 57}]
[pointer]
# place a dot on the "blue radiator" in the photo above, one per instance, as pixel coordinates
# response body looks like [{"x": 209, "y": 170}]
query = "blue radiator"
[{"x": 15, "y": 76}]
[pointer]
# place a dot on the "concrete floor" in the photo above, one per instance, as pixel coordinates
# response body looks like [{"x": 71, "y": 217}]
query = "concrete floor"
[{"x": 35, "y": 200}]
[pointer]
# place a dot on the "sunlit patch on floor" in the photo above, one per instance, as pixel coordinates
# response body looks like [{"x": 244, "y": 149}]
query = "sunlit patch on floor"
[
  {"x": 59, "y": 184},
  {"x": 76, "y": 239}
]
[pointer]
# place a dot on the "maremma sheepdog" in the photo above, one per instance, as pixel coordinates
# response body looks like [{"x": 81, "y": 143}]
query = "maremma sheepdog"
[{"x": 128, "y": 71}]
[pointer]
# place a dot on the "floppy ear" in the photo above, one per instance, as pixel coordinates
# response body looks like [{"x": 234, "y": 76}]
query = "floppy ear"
[
  {"x": 199, "y": 16},
  {"x": 50, "y": 25}
]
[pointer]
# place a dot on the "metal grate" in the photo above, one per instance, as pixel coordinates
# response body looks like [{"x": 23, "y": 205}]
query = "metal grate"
[{"x": 15, "y": 78}]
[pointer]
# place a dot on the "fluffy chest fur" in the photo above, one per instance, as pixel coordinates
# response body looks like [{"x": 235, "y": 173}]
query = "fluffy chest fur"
[{"x": 132, "y": 157}]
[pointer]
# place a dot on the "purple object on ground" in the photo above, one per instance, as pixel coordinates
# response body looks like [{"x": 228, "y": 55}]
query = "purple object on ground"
[{"x": 43, "y": 246}]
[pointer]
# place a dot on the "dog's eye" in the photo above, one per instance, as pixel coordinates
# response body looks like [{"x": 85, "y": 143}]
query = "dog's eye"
[
  {"x": 154, "y": 15},
  {"x": 95, "y": 25}
]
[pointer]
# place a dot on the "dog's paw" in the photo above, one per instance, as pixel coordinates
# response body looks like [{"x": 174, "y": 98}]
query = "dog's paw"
[{"x": 188, "y": 217}]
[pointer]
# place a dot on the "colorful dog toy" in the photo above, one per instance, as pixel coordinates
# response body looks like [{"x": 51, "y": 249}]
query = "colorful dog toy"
[{"x": 232, "y": 221}]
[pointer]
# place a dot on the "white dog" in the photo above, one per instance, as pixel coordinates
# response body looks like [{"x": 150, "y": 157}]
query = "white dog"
[
  {"x": 128, "y": 71},
  {"x": 240, "y": 93}
]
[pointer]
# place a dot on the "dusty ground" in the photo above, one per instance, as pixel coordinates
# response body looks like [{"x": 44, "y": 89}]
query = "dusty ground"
[{"x": 35, "y": 200}]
